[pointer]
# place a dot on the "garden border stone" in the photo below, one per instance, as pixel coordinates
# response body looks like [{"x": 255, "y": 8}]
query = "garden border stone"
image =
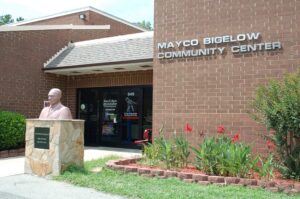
[
  {"x": 144, "y": 171},
  {"x": 202, "y": 179},
  {"x": 12, "y": 153},
  {"x": 231, "y": 180},
  {"x": 157, "y": 172},
  {"x": 248, "y": 182},
  {"x": 184, "y": 175},
  {"x": 216, "y": 179},
  {"x": 170, "y": 174}
]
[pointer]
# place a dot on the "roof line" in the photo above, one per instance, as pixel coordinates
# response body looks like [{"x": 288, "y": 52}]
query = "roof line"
[
  {"x": 100, "y": 64},
  {"x": 70, "y": 45},
  {"x": 139, "y": 35},
  {"x": 116, "y": 18},
  {"x": 75, "y": 11},
  {"x": 54, "y": 27}
]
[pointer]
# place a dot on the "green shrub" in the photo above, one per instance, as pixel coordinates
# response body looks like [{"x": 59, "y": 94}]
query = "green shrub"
[
  {"x": 267, "y": 167},
  {"x": 171, "y": 153},
  {"x": 183, "y": 150},
  {"x": 277, "y": 106},
  {"x": 12, "y": 130},
  {"x": 221, "y": 155},
  {"x": 152, "y": 154}
]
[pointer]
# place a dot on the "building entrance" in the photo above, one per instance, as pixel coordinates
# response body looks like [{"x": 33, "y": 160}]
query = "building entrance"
[{"x": 115, "y": 116}]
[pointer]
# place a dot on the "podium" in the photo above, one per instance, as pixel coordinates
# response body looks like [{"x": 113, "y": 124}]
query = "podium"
[{"x": 53, "y": 145}]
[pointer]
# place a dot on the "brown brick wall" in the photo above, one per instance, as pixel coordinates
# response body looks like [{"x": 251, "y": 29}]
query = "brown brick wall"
[
  {"x": 116, "y": 28},
  {"x": 216, "y": 90},
  {"x": 24, "y": 85},
  {"x": 105, "y": 80}
]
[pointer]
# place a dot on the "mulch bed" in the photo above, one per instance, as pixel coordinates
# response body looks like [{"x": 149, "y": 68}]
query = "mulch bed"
[{"x": 191, "y": 174}]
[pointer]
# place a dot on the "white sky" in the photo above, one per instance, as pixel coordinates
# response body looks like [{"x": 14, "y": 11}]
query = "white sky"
[{"x": 130, "y": 10}]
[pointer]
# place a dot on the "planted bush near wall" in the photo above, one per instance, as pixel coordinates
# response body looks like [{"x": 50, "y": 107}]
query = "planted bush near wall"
[
  {"x": 221, "y": 156},
  {"x": 170, "y": 153},
  {"x": 12, "y": 130},
  {"x": 277, "y": 106}
]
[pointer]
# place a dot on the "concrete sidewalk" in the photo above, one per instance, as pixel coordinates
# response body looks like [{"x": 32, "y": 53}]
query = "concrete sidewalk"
[
  {"x": 27, "y": 186},
  {"x": 14, "y": 184},
  {"x": 15, "y": 165}
]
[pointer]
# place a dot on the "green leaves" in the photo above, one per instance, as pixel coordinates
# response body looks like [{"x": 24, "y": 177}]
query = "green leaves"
[
  {"x": 172, "y": 152},
  {"x": 7, "y": 19},
  {"x": 267, "y": 167},
  {"x": 145, "y": 24},
  {"x": 12, "y": 130},
  {"x": 277, "y": 106},
  {"x": 220, "y": 156}
]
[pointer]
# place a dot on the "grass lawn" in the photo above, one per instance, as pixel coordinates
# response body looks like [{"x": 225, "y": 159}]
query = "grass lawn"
[{"x": 134, "y": 186}]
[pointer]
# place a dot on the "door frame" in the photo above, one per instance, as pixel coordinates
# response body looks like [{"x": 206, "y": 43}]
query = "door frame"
[{"x": 99, "y": 100}]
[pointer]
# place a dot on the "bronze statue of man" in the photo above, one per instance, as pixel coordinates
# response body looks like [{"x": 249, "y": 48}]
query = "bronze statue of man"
[{"x": 56, "y": 110}]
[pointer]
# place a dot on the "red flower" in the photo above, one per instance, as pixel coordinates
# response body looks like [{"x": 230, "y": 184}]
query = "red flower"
[
  {"x": 235, "y": 138},
  {"x": 270, "y": 144},
  {"x": 221, "y": 129},
  {"x": 188, "y": 128}
]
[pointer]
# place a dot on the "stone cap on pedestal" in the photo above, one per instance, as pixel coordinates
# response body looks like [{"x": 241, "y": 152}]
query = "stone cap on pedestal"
[{"x": 36, "y": 119}]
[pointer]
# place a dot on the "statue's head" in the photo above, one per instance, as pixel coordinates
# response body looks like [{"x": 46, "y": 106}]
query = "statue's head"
[{"x": 54, "y": 96}]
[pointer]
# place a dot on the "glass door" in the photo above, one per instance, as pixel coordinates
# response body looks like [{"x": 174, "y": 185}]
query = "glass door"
[
  {"x": 88, "y": 111},
  {"x": 110, "y": 117},
  {"x": 115, "y": 116},
  {"x": 131, "y": 111}
]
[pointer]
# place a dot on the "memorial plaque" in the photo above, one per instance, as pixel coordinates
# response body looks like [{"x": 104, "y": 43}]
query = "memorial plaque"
[{"x": 41, "y": 137}]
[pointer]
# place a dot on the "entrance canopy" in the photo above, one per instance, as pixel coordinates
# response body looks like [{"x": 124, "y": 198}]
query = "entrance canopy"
[{"x": 131, "y": 52}]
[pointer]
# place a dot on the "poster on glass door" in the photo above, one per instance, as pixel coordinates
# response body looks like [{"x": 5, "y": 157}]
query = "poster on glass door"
[
  {"x": 131, "y": 106},
  {"x": 109, "y": 117}
]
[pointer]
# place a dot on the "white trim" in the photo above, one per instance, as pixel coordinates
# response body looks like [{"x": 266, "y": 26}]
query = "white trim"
[
  {"x": 117, "y": 19},
  {"x": 89, "y": 8},
  {"x": 54, "y": 27}
]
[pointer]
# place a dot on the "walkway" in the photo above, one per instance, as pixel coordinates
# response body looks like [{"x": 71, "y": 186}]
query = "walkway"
[{"x": 14, "y": 184}]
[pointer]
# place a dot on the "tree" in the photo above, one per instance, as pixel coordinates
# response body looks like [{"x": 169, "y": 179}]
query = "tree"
[
  {"x": 277, "y": 106},
  {"x": 145, "y": 24},
  {"x": 7, "y": 18},
  {"x": 19, "y": 19}
]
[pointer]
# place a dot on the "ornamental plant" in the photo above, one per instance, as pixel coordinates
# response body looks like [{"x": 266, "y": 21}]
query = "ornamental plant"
[
  {"x": 267, "y": 167},
  {"x": 12, "y": 130},
  {"x": 223, "y": 155},
  {"x": 277, "y": 106},
  {"x": 170, "y": 152}
]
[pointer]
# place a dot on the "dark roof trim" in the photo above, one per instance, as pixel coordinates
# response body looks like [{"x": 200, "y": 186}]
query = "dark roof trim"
[{"x": 99, "y": 64}]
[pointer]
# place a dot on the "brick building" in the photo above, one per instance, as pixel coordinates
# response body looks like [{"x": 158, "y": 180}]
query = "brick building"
[
  {"x": 212, "y": 90},
  {"x": 203, "y": 63},
  {"x": 28, "y": 45}
]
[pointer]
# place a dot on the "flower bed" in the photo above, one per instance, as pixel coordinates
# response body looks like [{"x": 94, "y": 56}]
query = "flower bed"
[{"x": 195, "y": 176}]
